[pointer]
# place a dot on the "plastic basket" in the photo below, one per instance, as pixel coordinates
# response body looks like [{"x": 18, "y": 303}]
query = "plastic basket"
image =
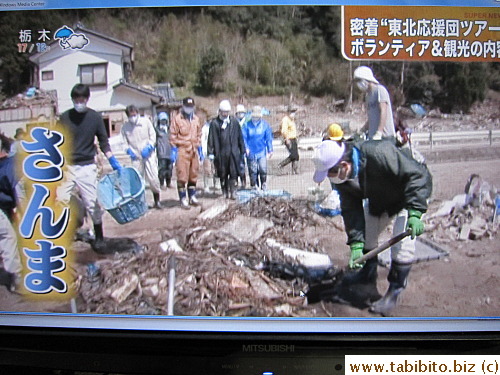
[{"x": 122, "y": 195}]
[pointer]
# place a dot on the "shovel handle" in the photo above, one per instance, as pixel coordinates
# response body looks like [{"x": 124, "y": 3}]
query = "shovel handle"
[{"x": 384, "y": 246}]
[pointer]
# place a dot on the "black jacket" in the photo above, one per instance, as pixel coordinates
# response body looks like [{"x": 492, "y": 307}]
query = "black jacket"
[
  {"x": 391, "y": 180},
  {"x": 227, "y": 146}
]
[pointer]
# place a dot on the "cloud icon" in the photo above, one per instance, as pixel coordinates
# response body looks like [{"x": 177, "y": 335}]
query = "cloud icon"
[{"x": 77, "y": 41}]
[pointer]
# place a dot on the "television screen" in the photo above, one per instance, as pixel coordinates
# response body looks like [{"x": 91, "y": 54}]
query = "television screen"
[{"x": 300, "y": 175}]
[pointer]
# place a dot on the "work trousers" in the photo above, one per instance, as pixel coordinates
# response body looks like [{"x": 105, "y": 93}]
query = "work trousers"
[
  {"x": 208, "y": 169},
  {"x": 187, "y": 166},
  {"x": 257, "y": 168},
  {"x": 404, "y": 251},
  {"x": 8, "y": 246},
  {"x": 165, "y": 171},
  {"x": 148, "y": 168},
  {"x": 84, "y": 178}
]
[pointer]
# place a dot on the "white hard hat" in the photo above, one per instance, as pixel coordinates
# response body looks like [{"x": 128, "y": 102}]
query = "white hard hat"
[
  {"x": 364, "y": 72},
  {"x": 240, "y": 108},
  {"x": 225, "y": 106}
]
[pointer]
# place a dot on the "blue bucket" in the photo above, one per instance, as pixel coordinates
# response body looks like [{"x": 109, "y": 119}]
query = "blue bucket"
[{"x": 122, "y": 195}]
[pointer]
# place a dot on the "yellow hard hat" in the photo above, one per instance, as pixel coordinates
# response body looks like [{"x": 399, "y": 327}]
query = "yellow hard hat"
[{"x": 335, "y": 132}]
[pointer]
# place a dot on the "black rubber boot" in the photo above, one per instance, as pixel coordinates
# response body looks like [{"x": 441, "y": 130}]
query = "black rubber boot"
[
  {"x": 232, "y": 189},
  {"x": 224, "y": 187},
  {"x": 98, "y": 245},
  {"x": 398, "y": 277},
  {"x": 156, "y": 198}
]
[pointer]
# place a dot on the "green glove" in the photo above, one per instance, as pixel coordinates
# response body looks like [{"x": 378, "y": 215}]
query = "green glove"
[
  {"x": 356, "y": 253},
  {"x": 414, "y": 223}
]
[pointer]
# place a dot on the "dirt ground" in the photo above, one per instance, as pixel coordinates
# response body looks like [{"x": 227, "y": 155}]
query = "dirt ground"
[{"x": 463, "y": 284}]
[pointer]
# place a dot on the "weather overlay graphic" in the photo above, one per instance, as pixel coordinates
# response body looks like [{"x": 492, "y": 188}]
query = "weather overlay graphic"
[{"x": 40, "y": 40}]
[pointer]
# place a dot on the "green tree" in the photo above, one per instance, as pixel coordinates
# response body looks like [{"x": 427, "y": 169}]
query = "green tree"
[{"x": 210, "y": 71}]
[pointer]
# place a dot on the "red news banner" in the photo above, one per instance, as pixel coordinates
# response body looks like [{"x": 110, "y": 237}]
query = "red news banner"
[{"x": 421, "y": 33}]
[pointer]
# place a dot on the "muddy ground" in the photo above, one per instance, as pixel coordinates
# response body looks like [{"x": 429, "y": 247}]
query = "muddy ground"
[{"x": 465, "y": 283}]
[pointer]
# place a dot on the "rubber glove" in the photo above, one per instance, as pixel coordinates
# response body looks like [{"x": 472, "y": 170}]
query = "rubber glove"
[
  {"x": 211, "y": 157},
  {"x": 147, "y": 151},
  {"x": 377, "y": 136},
  {"x": 115, "y": 164},
  {"x": 200, "y": 153},
  {"x": 356, "y": 253},
  {"x": 173, "y": 154},
  {"x": 132, "y": 154},
  {"x": 414, "y": 223}
]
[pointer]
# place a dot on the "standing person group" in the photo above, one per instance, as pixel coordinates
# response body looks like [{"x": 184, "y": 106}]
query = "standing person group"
[{"x": 289, "y": 134}]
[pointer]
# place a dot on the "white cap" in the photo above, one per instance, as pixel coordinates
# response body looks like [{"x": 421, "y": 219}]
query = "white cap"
[
  {"x": 225, "y": 106},
  {"x": 326, "y": 155},
  {"x": 240, "y": 108},
  {"x": 257, "y": 111},
  {"x": 364, "y": 72}
]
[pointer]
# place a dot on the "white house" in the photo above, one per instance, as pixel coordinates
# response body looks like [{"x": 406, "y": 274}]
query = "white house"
[{"x": 103, "y": 63}]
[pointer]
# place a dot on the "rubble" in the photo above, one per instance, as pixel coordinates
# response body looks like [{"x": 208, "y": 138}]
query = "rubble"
[
  {"x": 469, "y": 216},
  {"x": 218, "y": 273}
]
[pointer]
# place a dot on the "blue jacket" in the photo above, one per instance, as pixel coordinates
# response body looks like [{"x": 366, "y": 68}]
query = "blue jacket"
[{"x": 258, "y": 138}]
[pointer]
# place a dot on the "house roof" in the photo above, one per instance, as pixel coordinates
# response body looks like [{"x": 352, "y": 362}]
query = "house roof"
[
  {"x": 80, "y": 27},
  {"x": 155, "y": 97}
]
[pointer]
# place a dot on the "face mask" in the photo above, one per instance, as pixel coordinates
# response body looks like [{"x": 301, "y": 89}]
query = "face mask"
[
  {"x": 240, "y": 115},
  {"x": 337, "y": 180},
  {"x": 223, "y": 118},
  {"x": 133, "y": 119},
  {"x": 292, "y": 115},
  {"x": 362, "y": 85},
  {"x": 187, "y": 110},
  {"x": 80, "y": 107},
  {"x": 255, "y": 120}
]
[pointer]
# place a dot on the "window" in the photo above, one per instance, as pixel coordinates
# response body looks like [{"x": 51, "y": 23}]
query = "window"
[
  {"x": 47, "y": 75},
  {"x": 94, "y": 74}
]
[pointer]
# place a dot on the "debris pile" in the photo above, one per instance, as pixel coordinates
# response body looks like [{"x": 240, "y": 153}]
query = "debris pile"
[
  {"x": 31, "y": 97},
  {"x": 469, "y": 216},
  {"x": 219, "y": 271}
]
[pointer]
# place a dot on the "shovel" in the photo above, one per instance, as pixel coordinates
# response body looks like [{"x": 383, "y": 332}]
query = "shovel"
[
  {"x": 385, "y": 245},
  {"x": 329, "y": 290}
]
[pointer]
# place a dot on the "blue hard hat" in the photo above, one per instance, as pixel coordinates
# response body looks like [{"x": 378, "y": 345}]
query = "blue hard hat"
[{"x": 162, "y": 116}]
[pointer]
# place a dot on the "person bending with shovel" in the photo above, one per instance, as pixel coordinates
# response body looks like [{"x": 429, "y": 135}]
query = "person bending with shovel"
[{"x": 377, "y": 183}]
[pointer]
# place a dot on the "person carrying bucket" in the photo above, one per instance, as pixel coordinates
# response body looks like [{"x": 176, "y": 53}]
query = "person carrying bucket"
[{"x": 84, "y": 125}]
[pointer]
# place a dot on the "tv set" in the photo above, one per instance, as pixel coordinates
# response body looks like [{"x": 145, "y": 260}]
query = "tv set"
[{"x": 245, "y": 310}]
